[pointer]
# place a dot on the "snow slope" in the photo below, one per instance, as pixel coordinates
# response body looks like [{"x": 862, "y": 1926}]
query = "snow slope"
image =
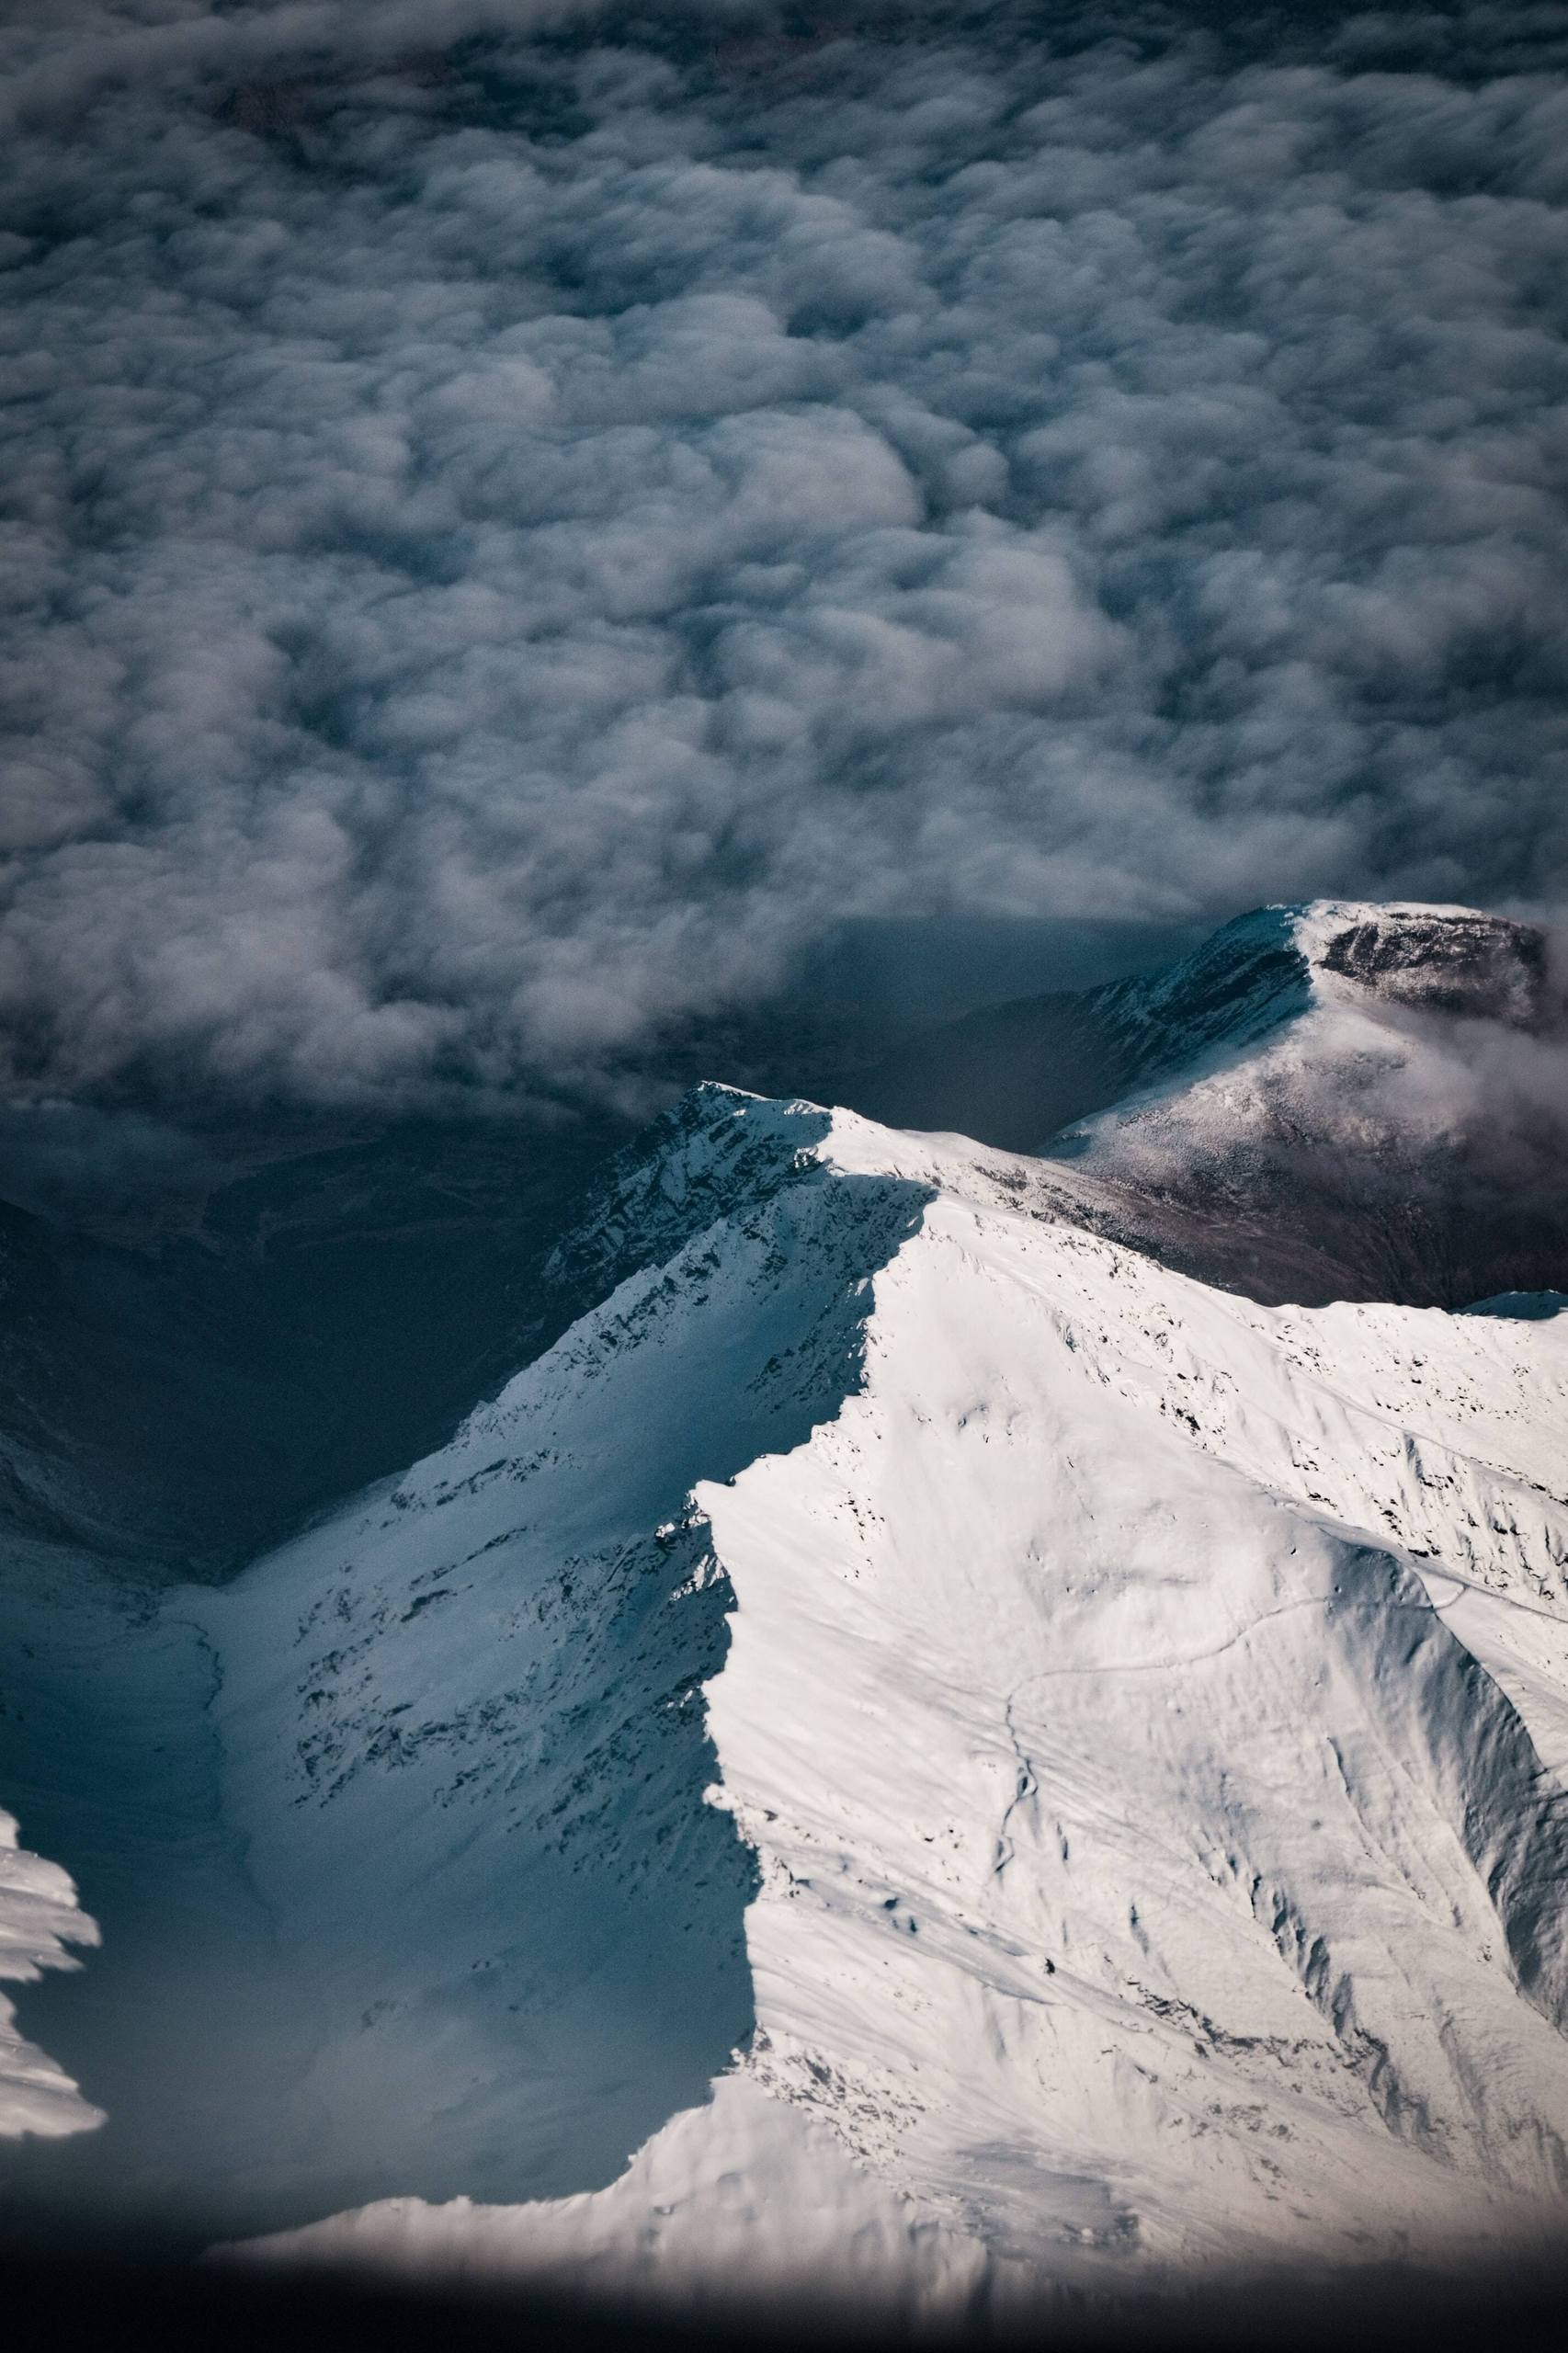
[
  {"x": 1342, "y": 1101},
  {"x": 1280, "y": 1007},
  {"x": 464, "y": 1737},
  {"x": 1017, "y": 1073},
  {"x": 1347, "y": 969},
  {"x": 38, "y": 1918},
  {"x": 1144, "y": 1714}
]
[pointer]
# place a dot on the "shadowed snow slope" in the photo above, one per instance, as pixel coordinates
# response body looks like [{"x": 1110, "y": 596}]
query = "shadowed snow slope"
[
  {"x": 1145, "y": 1714},
  {"x": 399, "y": 1842},
  {"x": 462, "y": 1723},
  {"x": 38, "y": 1918}
]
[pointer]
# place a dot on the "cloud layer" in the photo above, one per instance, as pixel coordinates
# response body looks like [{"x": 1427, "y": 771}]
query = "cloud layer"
[{"x": 510, "y": 533}]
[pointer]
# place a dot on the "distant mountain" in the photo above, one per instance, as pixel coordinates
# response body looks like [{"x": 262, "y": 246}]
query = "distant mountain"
[
  {"x": 1015, "y": 1074},
  {"x": 1333, "y": 1101}
]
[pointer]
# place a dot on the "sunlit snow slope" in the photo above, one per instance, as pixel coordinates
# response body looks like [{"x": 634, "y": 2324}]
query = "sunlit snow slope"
[
  {"x": 1145, "y": 1714},
  {"x": 38, "y": 1918}
]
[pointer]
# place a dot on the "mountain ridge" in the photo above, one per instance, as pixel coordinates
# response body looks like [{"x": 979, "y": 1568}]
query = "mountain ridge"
[
  {"x": 1359, "y": 1502},
  {"x": 1395, "y": 1128},
  {"x": 731, "y": 1697},
  {"x": 1024, "y": 1075}
]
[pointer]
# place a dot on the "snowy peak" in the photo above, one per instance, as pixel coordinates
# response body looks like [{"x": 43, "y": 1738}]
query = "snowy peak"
[
  {"x": 1143, "y": 1713},
  {"x": 1452, "y": 961},
  {"x": 1280, "y": 963},
  {"x": 1348, "y": 985},
  {"x": 1076, "y": 1753},
  {"x": 1344, "y": 1101},
  {"x": 717, "y": 1153},
  {"x": 463, "y": 1733}
]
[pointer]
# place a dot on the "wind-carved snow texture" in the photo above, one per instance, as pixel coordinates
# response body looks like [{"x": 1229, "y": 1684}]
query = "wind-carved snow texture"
[
  {"x": 39, "y": 1916},
  {"x": 1146, "y": 1712}
]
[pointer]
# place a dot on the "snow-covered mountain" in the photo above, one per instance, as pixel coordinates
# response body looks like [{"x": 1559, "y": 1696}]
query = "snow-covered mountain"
[
  {"x": 1331, "y": 1101},
  {"x": 1145, "y": 1713},
  {"x": 932, "y": 1745},
  {"x": 1343, "y": 961},
  {"x": 1340, "y": 1101}
]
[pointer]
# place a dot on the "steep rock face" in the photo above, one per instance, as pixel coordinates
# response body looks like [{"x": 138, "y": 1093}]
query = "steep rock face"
[
  {"x": 1146, "y": 1712},
  {"x": 1442, "y": 960}
]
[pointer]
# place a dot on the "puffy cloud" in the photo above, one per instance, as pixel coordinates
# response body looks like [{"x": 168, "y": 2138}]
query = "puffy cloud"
[{"x": 511, "y": 531}]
